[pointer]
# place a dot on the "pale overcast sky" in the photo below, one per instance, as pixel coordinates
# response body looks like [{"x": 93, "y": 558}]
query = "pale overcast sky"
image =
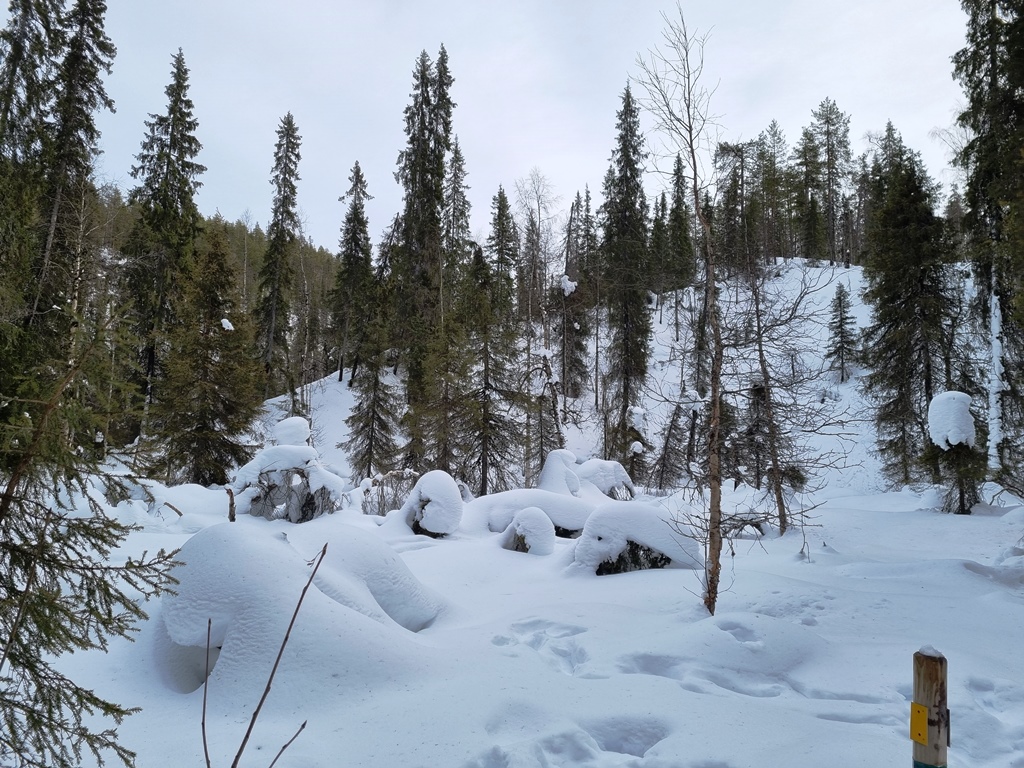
[{"x": 537, "y": 83}]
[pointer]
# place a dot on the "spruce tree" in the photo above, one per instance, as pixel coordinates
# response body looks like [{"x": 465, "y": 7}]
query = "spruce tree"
[
  {"x": 831, "y": 128},
  {"x": 211, "y": 393},
  {"x": 808, "y": 170},
  {"x": 372, "y": 445},
  {"x": 568, "y": 302},
  {"x": 62, "y": 587},
  {"x": 67, "y": 153},
  {"x": 991, "y": 70},
  {"x": 350, "y": 299},
  {"x": 163, "y": 239},
  {"x": 277, "y": 274},
  {"x": 841, "y": 351},
  {"x": 625, "y": 248},
  {"x": 909, "y": 294},
  {"x": 30, "y": 49},
  {"x": 420, "y": 257}
]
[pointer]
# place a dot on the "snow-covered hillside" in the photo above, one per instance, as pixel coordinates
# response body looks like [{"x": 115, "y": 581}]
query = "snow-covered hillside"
[{"x": 415, "y": 651}]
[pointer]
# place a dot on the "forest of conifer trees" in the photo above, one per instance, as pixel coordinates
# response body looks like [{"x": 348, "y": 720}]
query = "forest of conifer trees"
[{"x": 132, "y": 324}]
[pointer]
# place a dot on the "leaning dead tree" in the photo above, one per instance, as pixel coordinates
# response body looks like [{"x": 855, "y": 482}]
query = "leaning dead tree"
[{"x": 676, "y": 98}]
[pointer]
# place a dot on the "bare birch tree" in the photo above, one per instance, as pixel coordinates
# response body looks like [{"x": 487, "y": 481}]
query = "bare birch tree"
[{"x": 677, "y": 99}]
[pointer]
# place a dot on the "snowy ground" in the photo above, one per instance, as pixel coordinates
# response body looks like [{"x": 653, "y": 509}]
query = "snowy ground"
[{"x": 411, "y": 651}]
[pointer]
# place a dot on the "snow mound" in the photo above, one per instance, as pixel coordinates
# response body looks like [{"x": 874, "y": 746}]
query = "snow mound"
[
  {"x": 246, "y": 581},
  {"x": 291, "y": 431},
  {"x": 559, "y": 473},
  {"x": 608, "y": 476},
  {"x": 363, "y": 573},
  {"x": 612, "y": 526},
  {"x": 499, "y": 509},
  {"x": 950, "y": 421},
  {"x": 530, "y": 531},
  {"x": 434, "y": 506}
]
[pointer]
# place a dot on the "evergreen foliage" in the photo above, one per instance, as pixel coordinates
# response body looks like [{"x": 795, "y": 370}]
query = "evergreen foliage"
[
  {"x": 277, "y": 274},
  {"x": 842, "y": 345},
  {"x": 350, "y": 299},
  {"x": 372, "y": 447},
  {"x": 495, "y": 436},
  {"x": 61, "y": 586},
  {"x": 625, "y": 249},
  {"x": 908, "y": 289},
  {"x": 162, "y": 242},
  {"x": 212, "y": 392},
  {"x": 420, "y": 258},
  {"x": 991, "y": 70},
  {"x": 568, "y": 304},
  {"x": 831, "y": 128}
]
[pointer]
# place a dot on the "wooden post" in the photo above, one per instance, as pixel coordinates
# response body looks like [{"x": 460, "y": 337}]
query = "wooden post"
[{"x": 929, "y": 713}]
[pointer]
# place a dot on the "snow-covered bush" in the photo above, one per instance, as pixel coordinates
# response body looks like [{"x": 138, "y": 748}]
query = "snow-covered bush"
[
  {"x": 530, "y": 531},
  {"x": 952, "y": 431},
  {"x": 434, "y": 508},
  {"x": 623, "y": 536},
  {"x": 288, "y": 480}
]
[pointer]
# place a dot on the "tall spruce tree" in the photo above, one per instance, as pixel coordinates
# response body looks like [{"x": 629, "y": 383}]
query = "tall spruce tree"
[
  {"x": 420, "y": 256},
  {"x": 68, "y": 151},
  {"x": 909, "y": 294},
  {"x": 163, "y": 240},
  {"x": 277, "y": 273},
  {"x": 350, "y": 299},
  {"x": 625, "y": 248},
  {"x": 831, "y": 127},
  {"x": 568, "y": 302},
  {"x": 372, "y": 446},
  {"x": 211, "y": 393},
  {"x": 991, "y": 70}
]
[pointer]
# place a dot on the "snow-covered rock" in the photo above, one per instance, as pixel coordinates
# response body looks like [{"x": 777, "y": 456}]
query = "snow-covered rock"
[
  {"x": 434, "y": 506},
  {"x": 950, "y": 421},
  {"x": 530, "y": 531},
  {"x": 627, "y": 528}
]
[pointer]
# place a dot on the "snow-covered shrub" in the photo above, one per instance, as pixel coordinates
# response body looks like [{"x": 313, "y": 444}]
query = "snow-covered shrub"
[
  {"x": 609, "y": 477},
  {"x": 952, "y": 431},
  {"x": 288, "y": 480},
  {"x": 623, "y": 536},
  {"x": 530, "y": 531},
  {"x": 567, "y": 513},
  {"x": 434, "y": 508}
]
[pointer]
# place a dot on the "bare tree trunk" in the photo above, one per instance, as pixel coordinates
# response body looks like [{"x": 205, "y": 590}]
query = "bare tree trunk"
[{"x": 679, "y": 104}]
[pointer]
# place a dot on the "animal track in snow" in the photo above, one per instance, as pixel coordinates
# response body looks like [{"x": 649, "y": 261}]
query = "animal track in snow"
[{"x": 552, "y": 641}]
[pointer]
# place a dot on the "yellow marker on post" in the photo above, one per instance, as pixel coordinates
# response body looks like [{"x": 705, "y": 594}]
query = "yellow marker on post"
[
  {"x": 919, "y": 723},
  {"x": 929, "y": 722}
]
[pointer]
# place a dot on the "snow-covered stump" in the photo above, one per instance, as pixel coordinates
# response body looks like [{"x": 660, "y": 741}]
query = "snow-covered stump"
[
  {"x": 288, "y": 480},
  {"x": 434, "y": 508},
  {"x": 952, "y": 430}
]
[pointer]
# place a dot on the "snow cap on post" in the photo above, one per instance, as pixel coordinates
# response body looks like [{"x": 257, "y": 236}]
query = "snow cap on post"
[{"x": 950, "y": 421}]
